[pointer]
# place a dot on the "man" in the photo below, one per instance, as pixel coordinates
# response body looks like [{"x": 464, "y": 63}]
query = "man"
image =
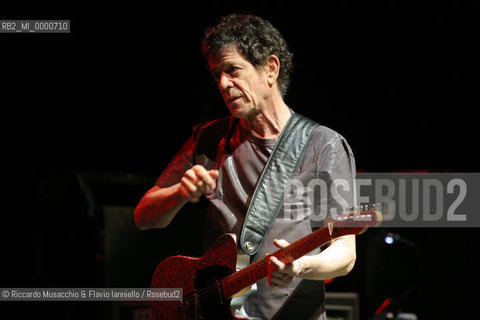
[{"x": 224, "y": 159}]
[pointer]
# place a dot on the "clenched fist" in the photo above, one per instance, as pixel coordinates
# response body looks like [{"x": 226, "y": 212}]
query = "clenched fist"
[{"x": 197, "y": 181}]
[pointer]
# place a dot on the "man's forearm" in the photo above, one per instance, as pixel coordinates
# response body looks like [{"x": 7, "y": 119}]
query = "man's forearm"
[
  {"x": 336, "y": 260},
  {"x": 158, "y": 207}
]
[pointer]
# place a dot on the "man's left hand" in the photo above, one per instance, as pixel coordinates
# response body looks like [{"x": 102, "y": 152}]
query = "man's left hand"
[{"x": 285, "y": 272}]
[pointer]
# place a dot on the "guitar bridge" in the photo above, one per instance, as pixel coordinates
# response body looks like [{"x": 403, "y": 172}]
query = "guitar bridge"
[
  {"x": 188, "y": 307},
  {"x": 183, "y": 310}
]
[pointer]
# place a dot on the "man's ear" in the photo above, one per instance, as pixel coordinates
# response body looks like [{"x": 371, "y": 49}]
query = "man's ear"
[{"x": 272, "y": 68}]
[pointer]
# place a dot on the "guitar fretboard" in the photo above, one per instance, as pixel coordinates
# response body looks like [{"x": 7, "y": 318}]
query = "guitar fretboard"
[{"x": 348, "y": 224}]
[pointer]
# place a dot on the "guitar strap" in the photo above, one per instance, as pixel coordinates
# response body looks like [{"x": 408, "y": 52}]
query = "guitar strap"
[{"x": 269, "y": 194}]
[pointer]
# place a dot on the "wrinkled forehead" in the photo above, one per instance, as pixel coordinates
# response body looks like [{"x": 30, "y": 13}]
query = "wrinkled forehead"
[{"x": 225, "y": 57}]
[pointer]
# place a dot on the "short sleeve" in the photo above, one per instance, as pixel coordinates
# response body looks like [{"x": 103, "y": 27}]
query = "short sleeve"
[
  {"x": 339, "y": 165},
  {"x": 334, "y": 187},
  {"x": 181, "y": 162}
]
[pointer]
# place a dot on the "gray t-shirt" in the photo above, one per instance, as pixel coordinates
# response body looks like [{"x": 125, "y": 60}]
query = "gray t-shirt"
[{"x": 240, "y": 157}]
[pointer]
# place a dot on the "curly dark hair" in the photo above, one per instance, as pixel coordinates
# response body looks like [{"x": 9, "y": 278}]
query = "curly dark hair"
[{"x": 255, "y": 38}]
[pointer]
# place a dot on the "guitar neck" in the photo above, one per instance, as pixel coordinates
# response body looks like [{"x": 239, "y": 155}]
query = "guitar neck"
[{"x": 253, "y": 273}]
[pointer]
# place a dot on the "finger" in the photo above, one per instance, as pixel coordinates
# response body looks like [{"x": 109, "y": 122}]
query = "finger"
[
  {"x": 204, "y": 177},
  {"x": 280, "y": 243},
  {"x": 214, "y": 174},
  {"x": 189, "y": 189},
  {"x": 280, "y": 275},
  {"x": 195, "y": 182},
  {"x": 277, "y": 263},
  {"x": 188, "y": 184},
  {"x": 190, "y": 175},
  {"x": 289, "y": 278},
  {"x": 283, "y": 278},
  {"x": 194, "y": 176},
  {"x": 292, "y": 269},
  {"x": 284, "y": 274}
]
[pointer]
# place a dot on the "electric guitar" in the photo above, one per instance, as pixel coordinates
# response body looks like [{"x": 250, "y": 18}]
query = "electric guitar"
[{"x": 210, "y": 282}]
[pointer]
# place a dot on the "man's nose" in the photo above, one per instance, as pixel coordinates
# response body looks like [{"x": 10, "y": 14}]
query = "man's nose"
[{"x": 224, "y": 82}]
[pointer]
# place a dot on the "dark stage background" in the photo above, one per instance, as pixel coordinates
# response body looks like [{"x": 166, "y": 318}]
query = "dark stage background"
[{"x": 91, "y": 118}]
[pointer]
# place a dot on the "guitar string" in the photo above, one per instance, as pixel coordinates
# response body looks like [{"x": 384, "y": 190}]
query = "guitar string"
[
  {"x": 201, "y": 294},
  {"x": 304, "y": 242},
  {"x": 301, "y": 243},
  {"x": 206, "y": 292}
]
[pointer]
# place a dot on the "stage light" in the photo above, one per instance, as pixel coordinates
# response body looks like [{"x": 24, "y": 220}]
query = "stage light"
[{"x": 389, "y": 239}]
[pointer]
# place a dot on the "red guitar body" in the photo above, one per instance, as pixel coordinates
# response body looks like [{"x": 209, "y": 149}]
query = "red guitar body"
[
  {"x": 209, "y": 282},
  {"x": 193, "y": 274}
]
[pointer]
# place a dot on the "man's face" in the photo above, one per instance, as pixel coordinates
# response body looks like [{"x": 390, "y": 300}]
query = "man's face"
[{"x": 244, "y": 88}]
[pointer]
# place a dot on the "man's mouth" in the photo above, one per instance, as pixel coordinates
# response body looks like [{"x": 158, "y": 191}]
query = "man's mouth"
[{"x": 231, "y": 99}]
